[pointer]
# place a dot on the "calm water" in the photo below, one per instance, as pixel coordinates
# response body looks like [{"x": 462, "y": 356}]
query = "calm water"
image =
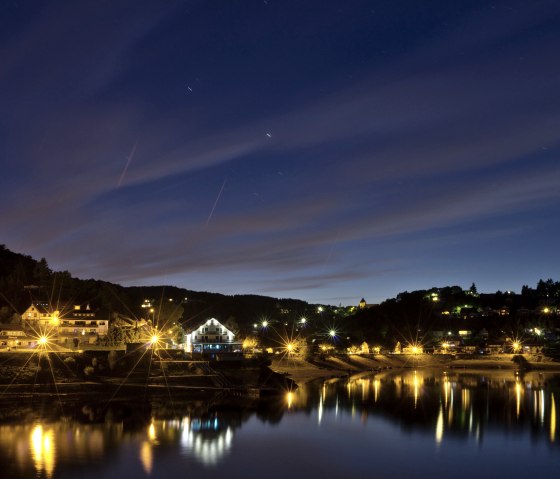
[{"x": 399, "y": 424}]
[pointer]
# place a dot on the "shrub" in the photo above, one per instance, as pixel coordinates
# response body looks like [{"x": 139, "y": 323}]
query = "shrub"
[
  {"x": 521, "y": 361},
  {"x": 70, "y": 362}
]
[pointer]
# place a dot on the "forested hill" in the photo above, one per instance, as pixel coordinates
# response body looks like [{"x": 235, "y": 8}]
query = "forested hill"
[
  {"x": 411, "y": 315},
  {"x": 24, "y": 279},
  {"x": 417, "y": 315}
]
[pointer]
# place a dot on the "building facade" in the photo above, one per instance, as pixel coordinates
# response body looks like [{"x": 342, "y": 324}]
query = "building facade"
[
  {"x": 211, "y": 337},
  {"x": 76, "y": 327}
]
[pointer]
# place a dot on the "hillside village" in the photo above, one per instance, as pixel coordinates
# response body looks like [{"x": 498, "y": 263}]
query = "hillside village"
[{"x": 39, "y": 305}]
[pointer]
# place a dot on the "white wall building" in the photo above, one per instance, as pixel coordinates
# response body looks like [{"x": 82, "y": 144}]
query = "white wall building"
[{"x": 211, "y": 337}]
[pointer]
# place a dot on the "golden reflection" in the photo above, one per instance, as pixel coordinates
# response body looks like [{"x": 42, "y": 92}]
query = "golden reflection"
[
  {"x": 446, "y": 390},
  {"x": 43, "y": 450},
  {"x": 451, "y": 402},
  {"x": 541, "y": 398},
  {"x": 518, "y": 391},
  {"x": 416, "y": 383},
  {"x": 535, "y": 404},
  {"x": 466, "y": 399},
  {"x": 152, "y": 432},
  {"x": 290, "y": 399},
  {"x": 376, "y": 386},
  {"x": 320, "y": 408},
  {"x": 439, "y": 426},
  {"x": 147, "y": 457},
  {"x": 552, "y": 418},
  {"x": 365, "y": 388}
]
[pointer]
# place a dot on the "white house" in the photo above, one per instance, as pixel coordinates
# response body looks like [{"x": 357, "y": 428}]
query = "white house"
[{"x": 211, "y": 337}]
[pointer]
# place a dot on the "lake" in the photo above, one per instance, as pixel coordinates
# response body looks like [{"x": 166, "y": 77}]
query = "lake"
[{"x": 394, "y": 424}]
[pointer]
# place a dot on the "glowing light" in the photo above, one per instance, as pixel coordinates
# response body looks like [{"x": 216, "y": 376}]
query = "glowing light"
[
  {"x": 516, "y": 346},
  {"x": 303, "y": 320},
  {"x": 546, "y": 310},
  {"x": 290, "y": 399},
  {"x": 320, "y": 408},
  {"x": 320, "y": 309},
  {"x": 552, "y": 418},
  {"x": 43, "y": 340},
  {"x": 264, "y": 324},
  {"x": 537, "y": 331},
  {"x": 376, "y": 386},
  {"x": 518, "y": 391},
  {"x": 152, "y": 432},
  {"x": 446, "y": 390},
  {"x": 290, "y": 347},
  {"x": 332, "y": 333},
  {"x": 416, "y": 383},
  {"x": 542, "y": 405},
  {"x": 439, "y": 426},
  {"x": 147, "y": 457},
  {"x": 43, "y": 450},
  {"x": 154, "y": 339}
]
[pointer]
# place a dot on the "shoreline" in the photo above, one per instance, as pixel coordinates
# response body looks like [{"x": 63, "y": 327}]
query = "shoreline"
[{"x": 302, "y": 371}]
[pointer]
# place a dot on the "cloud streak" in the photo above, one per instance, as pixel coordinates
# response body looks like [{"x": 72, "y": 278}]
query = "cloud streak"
[{"x": 458, "y": 127}]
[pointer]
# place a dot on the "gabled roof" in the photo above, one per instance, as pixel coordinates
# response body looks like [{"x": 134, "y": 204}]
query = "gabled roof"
[
  {"x": 197, "y": 325},
  {"x": 40, "y": 307}
]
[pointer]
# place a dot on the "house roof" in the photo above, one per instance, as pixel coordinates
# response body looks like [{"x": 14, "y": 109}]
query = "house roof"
[
  {"x": 41, "y": 307},
  {"x": 197, "y": 325}
]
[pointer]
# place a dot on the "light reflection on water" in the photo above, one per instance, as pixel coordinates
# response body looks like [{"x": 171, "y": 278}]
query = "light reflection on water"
[
  {"x": 422, "y": 406},
  {"x": 452, "y": 402}
]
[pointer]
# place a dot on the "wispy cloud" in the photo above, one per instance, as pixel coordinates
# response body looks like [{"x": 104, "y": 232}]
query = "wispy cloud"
[{"x": 462, "y": 127}]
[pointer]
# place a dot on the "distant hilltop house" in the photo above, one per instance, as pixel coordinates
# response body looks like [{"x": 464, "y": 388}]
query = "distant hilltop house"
[
  {"x": 72, "y": 328},
  {"x": 211, "y": 337},
  {"x": 363, "y": 304}
]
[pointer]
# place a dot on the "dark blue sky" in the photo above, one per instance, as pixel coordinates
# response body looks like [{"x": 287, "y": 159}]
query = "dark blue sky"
[{"x": 318, "y": 149}]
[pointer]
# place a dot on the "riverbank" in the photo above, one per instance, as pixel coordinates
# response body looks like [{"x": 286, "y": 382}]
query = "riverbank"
[{"x": 302, "y": 371}]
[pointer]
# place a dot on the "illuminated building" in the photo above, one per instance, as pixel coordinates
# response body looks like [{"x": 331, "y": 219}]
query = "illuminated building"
[
  {"x": 211, "y": 337},
  {"x": 13, "y": 336},
  {"x": 74, "y": 328}
]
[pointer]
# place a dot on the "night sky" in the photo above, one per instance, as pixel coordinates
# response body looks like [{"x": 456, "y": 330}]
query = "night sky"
[{"x": 316, "y": 149}]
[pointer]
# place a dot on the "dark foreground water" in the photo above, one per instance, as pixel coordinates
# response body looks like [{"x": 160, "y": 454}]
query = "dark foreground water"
[{"x": 399, "y": 424}]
